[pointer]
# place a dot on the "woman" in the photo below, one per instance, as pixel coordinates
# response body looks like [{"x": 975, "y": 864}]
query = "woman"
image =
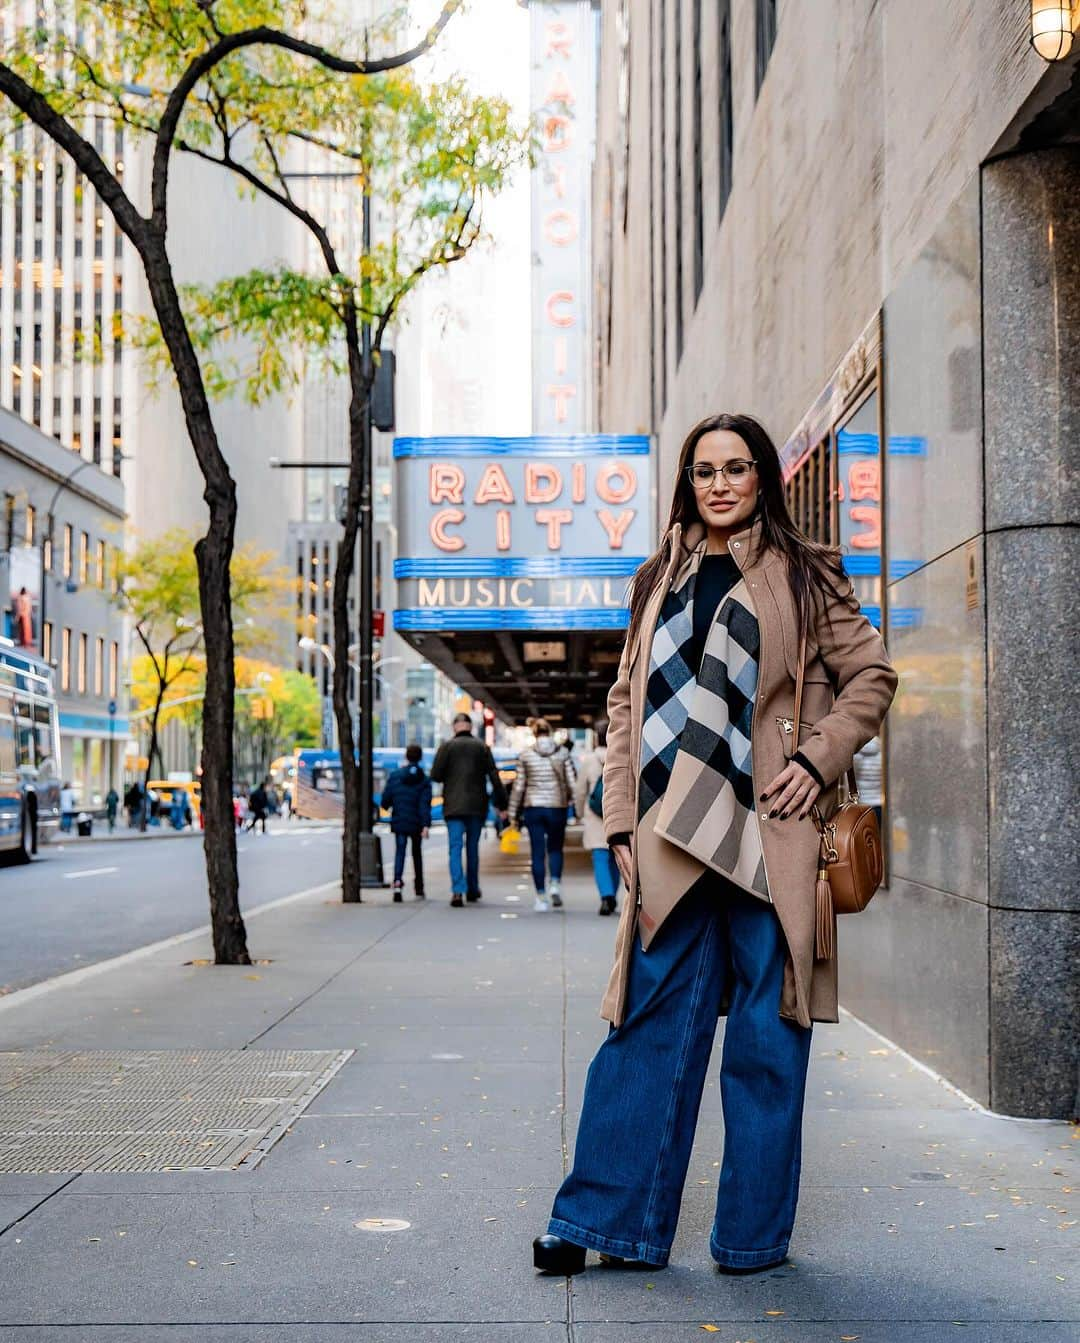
[
  {"x": 588, "y": 803},
  {"x": 540, "y": 797},
  {"x": 708, "y": 790}
]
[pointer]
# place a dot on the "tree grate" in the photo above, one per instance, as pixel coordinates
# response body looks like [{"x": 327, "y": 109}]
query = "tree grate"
[{"x": 153, "y": 1110}]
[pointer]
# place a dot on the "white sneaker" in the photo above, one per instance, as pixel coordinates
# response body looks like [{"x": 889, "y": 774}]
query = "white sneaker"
[
  {"x": 555, "y": 886},
  {"x": 540, "y": 905}
]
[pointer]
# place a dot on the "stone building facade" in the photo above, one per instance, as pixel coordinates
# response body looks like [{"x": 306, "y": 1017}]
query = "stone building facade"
[{"x": 858, "y": 222}]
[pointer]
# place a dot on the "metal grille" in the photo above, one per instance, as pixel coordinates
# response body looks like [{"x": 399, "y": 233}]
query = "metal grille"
[{"x": 147, "y": 1110}]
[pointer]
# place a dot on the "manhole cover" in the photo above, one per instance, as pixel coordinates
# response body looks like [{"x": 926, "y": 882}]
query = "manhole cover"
[{"x": 147, "y": 1110}]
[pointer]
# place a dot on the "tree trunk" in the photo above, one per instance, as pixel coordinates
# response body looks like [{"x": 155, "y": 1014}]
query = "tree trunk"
[
  {"x": 213, "y": 554},
  {"x": 153, "y": 749},
  {"x": 350, "y": 772}
]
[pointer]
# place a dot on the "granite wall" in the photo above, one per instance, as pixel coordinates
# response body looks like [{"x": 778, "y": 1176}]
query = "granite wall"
[{"x": 970, "y": 957}]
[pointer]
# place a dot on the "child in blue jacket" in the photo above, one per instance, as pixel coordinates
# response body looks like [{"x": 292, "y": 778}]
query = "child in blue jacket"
[{"x": 407, "y": 796}]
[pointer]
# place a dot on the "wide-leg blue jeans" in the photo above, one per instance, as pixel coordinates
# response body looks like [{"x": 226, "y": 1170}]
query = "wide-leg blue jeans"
[{"x": 644, "y": 1088}]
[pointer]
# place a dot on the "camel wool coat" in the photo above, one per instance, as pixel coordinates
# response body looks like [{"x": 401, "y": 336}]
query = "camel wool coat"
[{"x": 848, "y": 686}]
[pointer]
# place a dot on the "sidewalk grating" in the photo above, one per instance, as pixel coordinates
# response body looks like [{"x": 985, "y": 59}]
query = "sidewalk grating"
[{"x": 153, "y": 1110}]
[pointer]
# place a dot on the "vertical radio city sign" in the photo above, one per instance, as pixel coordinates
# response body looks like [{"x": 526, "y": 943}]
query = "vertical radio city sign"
[
  {"x": 520, "y": 533},
  {"x": 563, "y": 107}
]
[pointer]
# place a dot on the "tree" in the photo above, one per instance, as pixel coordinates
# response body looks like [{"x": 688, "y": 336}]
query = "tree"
[
  {"x": 431, "y": 155},
  {"x": 57, "y": 78},
  {"x": 158, "y": 587}
]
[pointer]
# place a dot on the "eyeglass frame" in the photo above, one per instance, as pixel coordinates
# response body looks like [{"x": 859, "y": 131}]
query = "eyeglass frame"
[{"x": 718, "y": 470}]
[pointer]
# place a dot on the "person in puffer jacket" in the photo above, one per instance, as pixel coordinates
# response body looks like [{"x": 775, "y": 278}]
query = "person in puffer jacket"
[
  {"x": 541, "y": 793},
  {"x": 407, "y": 797}
]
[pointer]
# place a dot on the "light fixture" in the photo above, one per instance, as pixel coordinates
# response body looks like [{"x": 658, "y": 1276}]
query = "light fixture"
[{"x": 1052, "y": 26}]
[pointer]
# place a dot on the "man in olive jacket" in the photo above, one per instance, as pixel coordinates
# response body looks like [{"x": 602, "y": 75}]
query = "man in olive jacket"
[{"x": 463, "y": 765}]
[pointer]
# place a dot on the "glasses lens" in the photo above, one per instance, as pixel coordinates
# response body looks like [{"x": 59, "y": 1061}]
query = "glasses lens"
[
  {"x": 737, "y": 470},
  {"x": 702, "y": 475}
]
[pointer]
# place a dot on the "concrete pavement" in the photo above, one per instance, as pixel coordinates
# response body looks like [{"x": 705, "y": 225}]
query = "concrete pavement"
[
  {"x": 401, "y": 1203},
  {"x": 78, "y": 904}
]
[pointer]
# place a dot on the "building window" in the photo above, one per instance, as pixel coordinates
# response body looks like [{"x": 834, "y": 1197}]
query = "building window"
[
  {"x": 99, "y": 565},
  {"x": 727, "y": 122},
  {"x": 99, "y": 666},
  {"x": 114, "y": 669},
  {"x": 699, "y": 187},
  {"x": 766, "y": 38},
  {"x": 47, "y": 554},
  {"x": 65, "y": 659},
  {"x": 80, "y": 677},
  {"x": 810, "y": 492},
  {"x": 9, "y": 519},
  {"x": 46, "y": 641},
  {"x": 31, "y": 523},
  {"x": 679, "y": 332},
  {"x": 68, "y": 547},
  {"x": 84, "y": 557}
]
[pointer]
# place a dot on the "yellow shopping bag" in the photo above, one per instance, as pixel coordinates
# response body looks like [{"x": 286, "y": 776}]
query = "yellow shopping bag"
[{"x": 510, "y": 839}]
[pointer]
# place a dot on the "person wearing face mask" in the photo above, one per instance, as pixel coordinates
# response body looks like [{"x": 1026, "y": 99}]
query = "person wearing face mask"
[{"x": 708, "y": 786}]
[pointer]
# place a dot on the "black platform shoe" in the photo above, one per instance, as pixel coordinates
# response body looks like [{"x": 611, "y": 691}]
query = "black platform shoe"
[
  {"x": 397, "y": 892},
  {"x": 607, "y": 904},
  {"x": 552, "y": 1254}
]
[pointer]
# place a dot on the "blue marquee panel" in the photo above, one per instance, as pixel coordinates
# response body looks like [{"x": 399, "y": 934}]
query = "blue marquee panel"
[
  {"x": 546, "y": 445},
  {"x": 436, "y": 618},
  {"x": 531, "y": 566}
]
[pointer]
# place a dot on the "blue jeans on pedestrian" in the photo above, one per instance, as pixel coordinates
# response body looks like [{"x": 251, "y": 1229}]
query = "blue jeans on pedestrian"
[
  {"x": 645, "y": 1083},
  {"x": 547, "y": 832},
  {"x": 464, "y": 830},
  {"x": 606, "y": 871},
  {"x": 401, "y": 848}
]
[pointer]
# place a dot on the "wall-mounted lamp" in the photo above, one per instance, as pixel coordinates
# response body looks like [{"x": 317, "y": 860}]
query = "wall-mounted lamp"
[{"x": 1053, "y": 23}]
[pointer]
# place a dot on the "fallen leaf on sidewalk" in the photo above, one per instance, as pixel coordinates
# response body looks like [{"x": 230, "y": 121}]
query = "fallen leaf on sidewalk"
[
  {"x": 711, "y": 1328},
  {"x": 253, "y": 976},
  {"x": 774, "y": 1312}
]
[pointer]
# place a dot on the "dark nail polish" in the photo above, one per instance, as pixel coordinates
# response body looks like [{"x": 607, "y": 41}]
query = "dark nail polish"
[
  {"x": 764, "y": 796},
  {"x": 784, "y": 815},
  {"x": 771, "y": 815}
]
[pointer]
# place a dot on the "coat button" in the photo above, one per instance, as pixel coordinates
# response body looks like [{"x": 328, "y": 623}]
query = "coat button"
[
  {"x": 764, "y": 815},
  {"x": 736, "y": 544}
]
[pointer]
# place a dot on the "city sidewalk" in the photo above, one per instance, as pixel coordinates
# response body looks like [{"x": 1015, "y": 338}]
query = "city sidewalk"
[{"x": 401, "y": 1203}]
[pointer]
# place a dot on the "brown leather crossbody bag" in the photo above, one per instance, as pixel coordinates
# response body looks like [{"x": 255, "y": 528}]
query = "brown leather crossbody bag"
[{"x": 851, "y": 866}]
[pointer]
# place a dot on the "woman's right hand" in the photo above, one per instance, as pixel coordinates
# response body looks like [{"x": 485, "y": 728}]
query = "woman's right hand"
[{"x": 624, "y": 858}]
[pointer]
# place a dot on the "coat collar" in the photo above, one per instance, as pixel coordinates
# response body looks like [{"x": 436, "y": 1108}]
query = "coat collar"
[{"x": 686, "y": 545}]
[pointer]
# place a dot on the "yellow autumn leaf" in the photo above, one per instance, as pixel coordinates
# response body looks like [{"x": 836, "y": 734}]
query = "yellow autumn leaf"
[
  {"x": 711, "y": 1328},
  {"x": 774, "y": 1312},
  {"x": 253, "y": 976}
]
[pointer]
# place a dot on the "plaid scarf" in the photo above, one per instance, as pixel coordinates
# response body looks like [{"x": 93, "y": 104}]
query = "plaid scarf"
[{"x": 695, "y": 753}]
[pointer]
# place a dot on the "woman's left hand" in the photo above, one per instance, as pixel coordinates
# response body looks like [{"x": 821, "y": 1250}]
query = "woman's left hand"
[{"x": 792, "y": 788}]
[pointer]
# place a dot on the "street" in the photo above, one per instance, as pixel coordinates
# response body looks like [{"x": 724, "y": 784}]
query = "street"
[{"x": 79, "y": 903}]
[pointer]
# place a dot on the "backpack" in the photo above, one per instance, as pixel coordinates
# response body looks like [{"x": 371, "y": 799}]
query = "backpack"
[{"x": 596, "y": 798}]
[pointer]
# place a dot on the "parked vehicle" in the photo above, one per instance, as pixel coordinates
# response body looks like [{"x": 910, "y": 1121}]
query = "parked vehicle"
[{"x": 30, "y": 775}]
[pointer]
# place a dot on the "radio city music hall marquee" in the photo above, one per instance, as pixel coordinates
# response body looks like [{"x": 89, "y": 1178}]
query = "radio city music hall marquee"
[{"x": 520, "y": 533}]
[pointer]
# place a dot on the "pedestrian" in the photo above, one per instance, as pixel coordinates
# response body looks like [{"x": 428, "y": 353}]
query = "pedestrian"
[
  {"x": 179, "y": 813},
  {"x": 257, "y": 804},
  {"x": 465, "y": 766},
  {"x": 67, "y": 808},
  {"x": 589, "y": 806},
  {"x": 708, "y": 789},
  {"x": 240, "y": 809},
  {"x": 407, "y": 797},
  {"x": 112, "y": 803},
  {"x": 540, "y": 797}
]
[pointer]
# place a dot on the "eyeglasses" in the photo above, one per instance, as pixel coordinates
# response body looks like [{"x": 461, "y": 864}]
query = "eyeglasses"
[{"x": 737, "y": 472}]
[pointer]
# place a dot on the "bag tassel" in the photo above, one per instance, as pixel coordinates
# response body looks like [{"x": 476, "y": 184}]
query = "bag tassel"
[{"x": 823, "y": 911}]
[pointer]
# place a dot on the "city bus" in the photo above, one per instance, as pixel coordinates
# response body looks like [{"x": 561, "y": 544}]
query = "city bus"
[
  {"x": 29, "y": 752},
  {"x": 318, "y": 789}
]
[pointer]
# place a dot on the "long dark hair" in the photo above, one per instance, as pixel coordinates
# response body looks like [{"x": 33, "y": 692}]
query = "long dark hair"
[{"x": 811, "y": 566}]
